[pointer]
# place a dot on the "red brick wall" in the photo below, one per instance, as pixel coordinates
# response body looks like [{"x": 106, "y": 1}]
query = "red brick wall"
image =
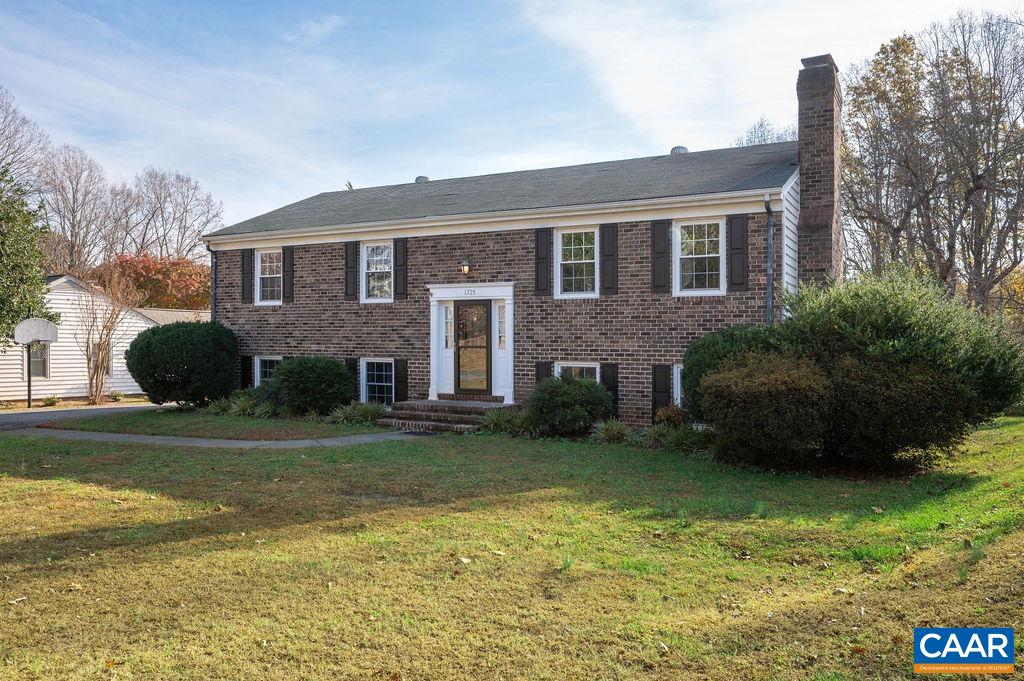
[
  {"x": 635, "y": 328},
  {"x": 819, "y": 105}
]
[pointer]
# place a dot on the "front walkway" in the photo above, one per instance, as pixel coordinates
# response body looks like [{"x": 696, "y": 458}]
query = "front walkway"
[{"x": 175, "y": 441}]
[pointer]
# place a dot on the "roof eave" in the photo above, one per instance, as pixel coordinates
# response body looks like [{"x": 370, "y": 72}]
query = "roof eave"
[{"x": 497, "y": 216}]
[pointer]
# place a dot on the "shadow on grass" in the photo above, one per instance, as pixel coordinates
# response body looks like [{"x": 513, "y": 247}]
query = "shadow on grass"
[{"x": 354, "y": 486}]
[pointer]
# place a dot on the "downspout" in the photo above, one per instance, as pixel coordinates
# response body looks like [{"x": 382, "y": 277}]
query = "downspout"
[
  {"x": 213, "y": 283},
  {"x": 770, "y": 312}
]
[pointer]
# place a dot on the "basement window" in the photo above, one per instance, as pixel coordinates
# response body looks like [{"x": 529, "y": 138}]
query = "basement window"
[
  {"x": 378, "y": 380},
  {"x": 265, "y": 367},
  {"x": 590, "y": 371}
]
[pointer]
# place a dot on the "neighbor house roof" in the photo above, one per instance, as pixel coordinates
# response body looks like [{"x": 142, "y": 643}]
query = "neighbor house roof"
[
  {"x": 166, "y": 316},
  {"x": 717, "y": 171}
]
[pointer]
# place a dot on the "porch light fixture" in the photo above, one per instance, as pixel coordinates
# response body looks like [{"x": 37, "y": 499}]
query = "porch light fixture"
[{"x": 466, "y": 266}]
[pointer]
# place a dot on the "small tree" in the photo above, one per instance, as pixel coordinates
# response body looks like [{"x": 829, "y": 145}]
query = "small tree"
[
  {"x": 101, "y": 314},
  {"x": 22, "y": 282},
  {"x": 177, "y": 283}
]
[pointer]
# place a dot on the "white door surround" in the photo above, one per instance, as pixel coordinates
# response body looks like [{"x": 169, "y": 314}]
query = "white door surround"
[{"x": 442, "y": 377}]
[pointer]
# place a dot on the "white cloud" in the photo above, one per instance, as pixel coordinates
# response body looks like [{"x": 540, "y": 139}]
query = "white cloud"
[
  {"x": 699, "y": 73},
  {"x": 258, "y": 130},
  {"x": 312, "y": 31}
]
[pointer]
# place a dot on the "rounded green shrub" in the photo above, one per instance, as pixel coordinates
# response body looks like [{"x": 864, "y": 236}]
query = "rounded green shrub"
[
  {"x": 184, "y": 362},
  {"x": 313, "y": 384},
  {"x": 566, "y": 407},
  {"x": 707, "y": 354},
  {"x": 768, "y": 410}
]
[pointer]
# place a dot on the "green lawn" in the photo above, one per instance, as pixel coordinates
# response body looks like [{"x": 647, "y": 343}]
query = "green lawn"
[
  {"x": 198, "y": 424},
  {"x": 482, "y": 557}
]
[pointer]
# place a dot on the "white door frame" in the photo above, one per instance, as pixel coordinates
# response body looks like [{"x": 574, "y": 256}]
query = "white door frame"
[{"x": 502, "y": 292}]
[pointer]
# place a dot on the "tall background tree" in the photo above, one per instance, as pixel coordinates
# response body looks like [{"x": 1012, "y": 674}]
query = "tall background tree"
[
  {"x": 22, "y": 280},
  {"x": 765, "y": 132},
  {"x": 933, "y": 170},
  {"x": 90, "y": 224}
]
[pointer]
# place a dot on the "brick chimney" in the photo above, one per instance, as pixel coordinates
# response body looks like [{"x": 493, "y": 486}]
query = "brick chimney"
[{"x": 819, "y": 103}]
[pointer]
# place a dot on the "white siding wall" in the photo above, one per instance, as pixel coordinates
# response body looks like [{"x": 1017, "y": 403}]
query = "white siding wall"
[
  {"x": 790, "y": 218},
  {"x": 67, "y": 360}
]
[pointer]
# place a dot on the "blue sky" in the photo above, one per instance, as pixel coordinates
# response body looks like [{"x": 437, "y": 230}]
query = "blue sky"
[{"x": 267, "y": 103}]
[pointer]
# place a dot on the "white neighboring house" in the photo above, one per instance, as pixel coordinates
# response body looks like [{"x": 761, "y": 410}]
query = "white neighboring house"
[{"x": 60, "y": 369}]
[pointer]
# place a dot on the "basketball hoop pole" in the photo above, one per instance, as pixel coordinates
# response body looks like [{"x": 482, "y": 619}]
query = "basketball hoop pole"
[{"x": 28, "y": 365}]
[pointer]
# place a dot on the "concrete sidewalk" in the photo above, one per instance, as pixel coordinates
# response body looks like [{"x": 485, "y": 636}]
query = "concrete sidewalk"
[{"x": 175, "y": 441}]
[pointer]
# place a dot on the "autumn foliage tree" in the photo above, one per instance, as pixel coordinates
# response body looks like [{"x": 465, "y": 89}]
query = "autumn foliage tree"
[{"x": 176, "y": 283}]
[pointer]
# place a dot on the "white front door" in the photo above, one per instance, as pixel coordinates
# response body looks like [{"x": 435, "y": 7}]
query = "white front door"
[{"x": 444, "y": 336}]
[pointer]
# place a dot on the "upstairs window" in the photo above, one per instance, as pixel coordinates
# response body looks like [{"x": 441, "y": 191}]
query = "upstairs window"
[
  {"x": 699, "y": 258},
  {"x": 39, "y": 360},
  {"x": 576, "y": 263},
  {"x": 377, "y": 274},
  {"x": 269, "y": 275},
  {"x": 578, "y": 370}
]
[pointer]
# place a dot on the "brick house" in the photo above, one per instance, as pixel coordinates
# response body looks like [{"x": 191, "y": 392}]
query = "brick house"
[{"x": 476, "y": 288}]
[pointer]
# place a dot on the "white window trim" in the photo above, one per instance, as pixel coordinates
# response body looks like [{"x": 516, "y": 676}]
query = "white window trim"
[
  {"x": 257, "y": 294},
  {"x": 256, "y": 367},
  {"x": 27, "y": 366},
  {"x": 557, "y": 245},
  {"x": 363, "y": 247},
  {"x": 596, "y": 365},
  {"x": 677, "y": 384},
  {"x": 363, "y": 361},
  {"x": 676, "y": 255}
]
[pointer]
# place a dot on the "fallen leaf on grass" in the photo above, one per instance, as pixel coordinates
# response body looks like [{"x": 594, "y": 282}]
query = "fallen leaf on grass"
[
  {"x": 17, "y": 600},
  {"x": 877, "y": 509},
  {"x": 498, "y": 553},
  {"x": 860, "y": 650},
  {"x": 75, "y": 586},
  {"x": 118, "y": 501},
  {"x": 465, "y": 561}
]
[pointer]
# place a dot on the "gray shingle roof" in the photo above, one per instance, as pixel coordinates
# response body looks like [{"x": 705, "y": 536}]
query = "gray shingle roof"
[
  {"x": 165, "y": 316},
  {"x": 704, "y": 172}
]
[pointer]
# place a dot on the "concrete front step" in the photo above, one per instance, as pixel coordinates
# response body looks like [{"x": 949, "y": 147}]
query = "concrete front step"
[
  {"x": 470, "y": 397},
  {"x": 431, "y": 426}
]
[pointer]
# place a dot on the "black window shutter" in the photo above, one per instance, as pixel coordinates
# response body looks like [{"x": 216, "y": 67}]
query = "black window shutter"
[
  {"x": 544, "y": 370},
  {"x": 352, "y": 364},
  {"x": 542, "y": 263},
  {"x": 736, "y": 261},
  {"x": 610, "y": 380},
  {"x": 661, "y": 256},
  {"x": 352, "y": 270},
  {"x": 609, "y": 259},
  {"x": 401, "y": 268},
  {"x": 401, "y": 380},
  {"x": 661, "y": 388},
  {"x": 247, "y": 276},
  {"x": 245, "y": 371},
  {"x": 288, "y": 272}
]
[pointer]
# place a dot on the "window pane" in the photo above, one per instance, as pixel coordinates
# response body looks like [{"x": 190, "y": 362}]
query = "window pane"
[
  {"x": 270, "y": 264},
  {"x": 270, "y": 288},
  {"x": 378, "y": 285},
  {"x": 699, "y": 264},
  {"x": 380, "y": 382},
  {"x": 39, "y": 356},
  {"x": 449, "y": 327},
  {"x": 267, "y": 367},
  {"x": 501, "y": 326},
  {"x": 579, "y": 372}
]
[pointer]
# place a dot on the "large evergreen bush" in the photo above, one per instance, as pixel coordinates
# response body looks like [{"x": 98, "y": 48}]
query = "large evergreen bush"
[{"x": 184, "y": 362}]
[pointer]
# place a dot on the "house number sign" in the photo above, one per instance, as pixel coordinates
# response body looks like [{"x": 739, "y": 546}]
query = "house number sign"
[{"x": 469, "y": 292}]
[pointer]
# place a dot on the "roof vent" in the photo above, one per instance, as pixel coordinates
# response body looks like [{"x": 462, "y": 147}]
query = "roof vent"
[
  {"x": 422, "y": 178},
  {"x": 679, "y": 150}
]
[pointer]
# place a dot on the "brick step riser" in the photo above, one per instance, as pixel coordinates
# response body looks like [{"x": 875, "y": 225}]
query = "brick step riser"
[
  {"x": 442, "y": 407},
  {"x": 438, "y": 416},
  {"x": 471, "y": 398},
  {"x": 430, "y": 426}
]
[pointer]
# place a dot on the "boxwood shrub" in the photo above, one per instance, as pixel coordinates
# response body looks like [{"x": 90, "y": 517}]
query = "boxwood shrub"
[
  {"x": 312, "y": 384},
  {"x": 566, "y": 407},
  {"x": 185, "y": 362},
  {"x": 768, "y": 409}
]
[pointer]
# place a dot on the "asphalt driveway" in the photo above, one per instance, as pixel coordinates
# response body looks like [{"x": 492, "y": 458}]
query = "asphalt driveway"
[{"x": 28, "y": 418}]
